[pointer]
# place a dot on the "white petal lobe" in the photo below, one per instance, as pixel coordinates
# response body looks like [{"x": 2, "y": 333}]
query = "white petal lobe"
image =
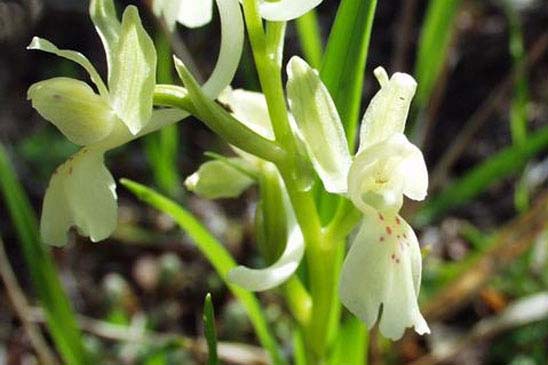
[
  {"x": 381, "y": 268},
  {"x": 285, "y": 10},
  {"x": 193, "y": 13}
]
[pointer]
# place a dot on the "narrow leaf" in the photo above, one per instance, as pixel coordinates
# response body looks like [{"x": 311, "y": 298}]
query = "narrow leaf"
[
  {"x": 60, "y": 317},
  {"x": 506, "y": 162},
  {"x": 345, "y": 59},
  {"x": 210, "y": 331},
  {"x": 435, "y": 38},
  {"x": 216, "y": 254}
]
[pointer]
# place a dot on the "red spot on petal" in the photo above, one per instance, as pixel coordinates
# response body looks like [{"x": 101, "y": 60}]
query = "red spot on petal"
[
  {"x": 381, "y": 217},
  {"x": 397, "y": 220},
  {"x": 70, "y": 170},
  {"x": 404, "y": 235},
  {"x": 388, "y": 230},
  {"x": 397, "y": 261},
  {"x": 381, "y": 239}
]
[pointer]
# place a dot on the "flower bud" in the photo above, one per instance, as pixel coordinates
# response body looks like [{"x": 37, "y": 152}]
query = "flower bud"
[
  {"x": 218, "y": 179},
  {"x": 72, "y": 106}
]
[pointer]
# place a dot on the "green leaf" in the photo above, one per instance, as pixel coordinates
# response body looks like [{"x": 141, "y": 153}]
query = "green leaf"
[
  {"x": 133, "y": 73},
  {"x": 60, "y": 318},
  {"x": 345, "y": 59},
  {"x": 210, "y": 332},
  {"x": 351, "y": 344},
  {"x": 506, "y": 162},
  {"x": 216, "y": 254},
  {"x": 310, "y": 38},
  {"x": 434, "y": 41},
  {"x": 103, "y": 15},
  {"x": 46, "y": 46}
]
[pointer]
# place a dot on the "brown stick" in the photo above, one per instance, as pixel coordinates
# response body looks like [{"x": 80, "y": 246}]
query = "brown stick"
[{"x": 511, "y": 242}]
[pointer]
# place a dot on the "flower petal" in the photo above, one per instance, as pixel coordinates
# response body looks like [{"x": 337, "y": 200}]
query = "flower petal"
[
  {"x": 282, "y": 269},
  {"x": 381, "y": 268},
  {"x": 285, "y": 10},
  {"x": 81, "y": 193},
  {"x": 383, "y": 172},
  {"x": 250, "y": 108},
  {"x": 219, "y": 179},
  {"x": 277, "y": 273},
  {"x": 319, "y": 124},
  {"x": 103, "y": 15},
  {"x": 133, "y": 73},
  {"x": 194, "y": 14},
  {"x": 232, "y": 42},
  {"x": 47, "y": 46},
  {"x": 72, "y": 106},
  {"x": 387, "y": 112}
]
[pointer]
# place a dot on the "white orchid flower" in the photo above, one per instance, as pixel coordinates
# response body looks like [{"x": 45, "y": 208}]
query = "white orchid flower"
[
  {"x": 197, "y": 13},
  {"x": 212, "y": 181},
  {"x": 82, "y": 192},
  {"x": 385, "y": 254}
]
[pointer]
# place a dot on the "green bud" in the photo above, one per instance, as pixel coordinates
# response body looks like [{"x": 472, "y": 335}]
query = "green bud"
[
  {"x": 72, "y": 106},
  {"x": 218, "y": 179}
]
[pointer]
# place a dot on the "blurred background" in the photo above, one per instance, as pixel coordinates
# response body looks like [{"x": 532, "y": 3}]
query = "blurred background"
[{"x": 480, "y": 116}]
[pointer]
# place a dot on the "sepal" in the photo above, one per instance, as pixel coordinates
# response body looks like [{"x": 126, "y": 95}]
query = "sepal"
[
  {"x": 72, "y": 106},
  {"x": 133, "y": 74},
  {"x": 319, "y": 125}
]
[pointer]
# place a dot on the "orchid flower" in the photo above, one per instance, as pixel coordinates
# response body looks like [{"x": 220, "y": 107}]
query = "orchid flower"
[
  {"x": 385, "y": 254},
  {"x": 230, "y": 177},
  {"x": 197, "y": 13},
  {"x": 82, "y": 192}
]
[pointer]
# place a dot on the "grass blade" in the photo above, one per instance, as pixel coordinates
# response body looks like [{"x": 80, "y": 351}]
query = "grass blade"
[
  {"x": 506, "y": 162},
  {"x": 210, "y": 331},
  {"x": 345, "y": 59},
  {"x": 216, "y": 254},
  {"x": 60, "y": 317},
  {"x": 350, "y": 348},
  {"x": 434, "y": 41},
  {"x": 310, "y": 38}
]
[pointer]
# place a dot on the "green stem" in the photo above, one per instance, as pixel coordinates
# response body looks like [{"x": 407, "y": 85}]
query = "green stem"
[
  {"x": 216, "y": 118},
  {"x": 310, "y": 38}
]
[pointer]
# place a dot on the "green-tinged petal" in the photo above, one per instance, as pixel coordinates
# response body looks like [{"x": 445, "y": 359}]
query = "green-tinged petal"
[
  {"x": 47, "y": 46},
  {"x": 319, "y": 124},
  {"x": 382, "y": 173},
  {"x": 81, "y": 193},
  {"x": 219, "y": 179},
  {"x": 383, "y": 268},
  {"x": 277, "y": 273},
  {"x": 193, "y": 14},
  {"x": 283, "y": 268},
  {"x": 232, "y": 42},
  {"x": 387, "y": 112},
  {"x": 103, "y": 15},
  {"x": 72, "y": 106},
  {"x": 133, "y": 73},
  {"x": 250, "y": 108},
  {"x": 285, "y": 10}
]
